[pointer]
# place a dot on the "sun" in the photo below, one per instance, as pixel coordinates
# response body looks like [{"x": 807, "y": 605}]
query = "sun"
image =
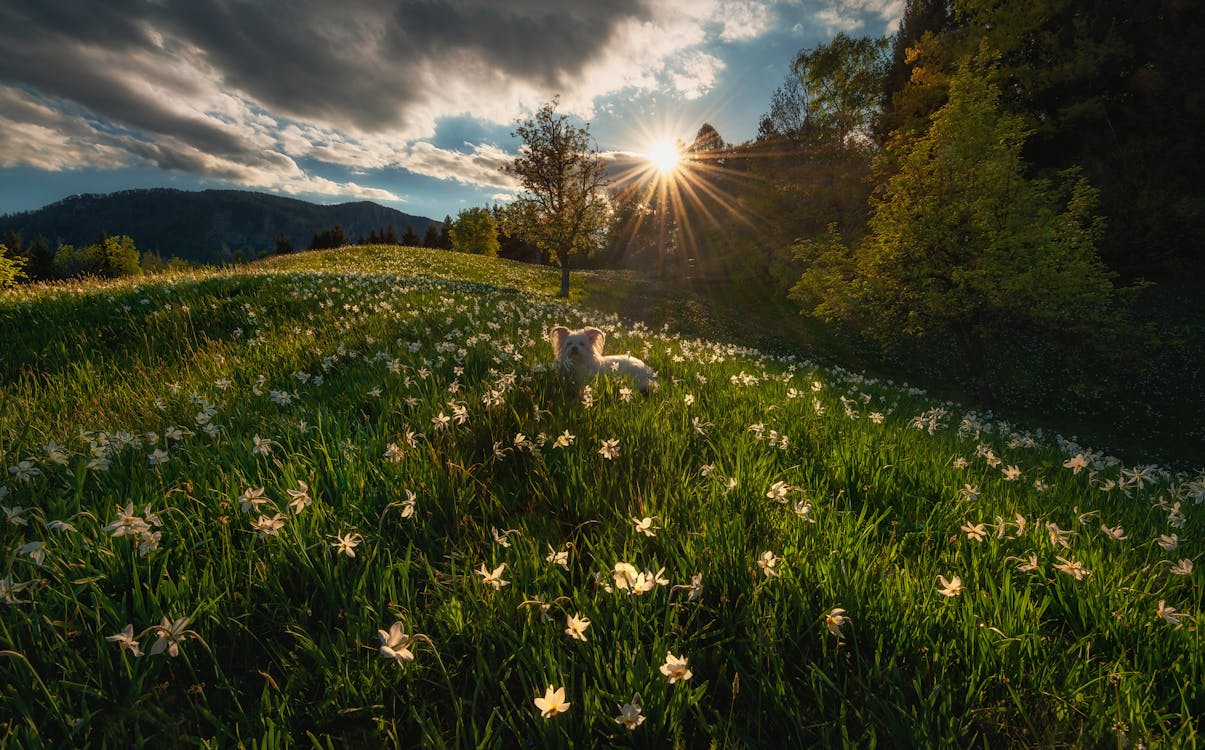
[{"x": 664, "y": 156}]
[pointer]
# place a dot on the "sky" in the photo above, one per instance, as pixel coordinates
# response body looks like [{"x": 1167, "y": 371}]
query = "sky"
[{"x": 408, "y": 103}]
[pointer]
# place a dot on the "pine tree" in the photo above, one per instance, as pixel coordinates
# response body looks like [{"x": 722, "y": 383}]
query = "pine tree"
[
  {"x": 431, "y": 236},
  {"x": 445, "y": 237},
  {"x": 409, "y": 237}
]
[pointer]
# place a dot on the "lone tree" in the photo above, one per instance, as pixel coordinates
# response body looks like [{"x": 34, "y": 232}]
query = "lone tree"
[{"x": 563, "y": 209}]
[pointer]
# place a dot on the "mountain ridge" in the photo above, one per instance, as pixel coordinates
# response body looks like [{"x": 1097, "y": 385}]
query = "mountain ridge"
[{"x": 206, "y": 226}]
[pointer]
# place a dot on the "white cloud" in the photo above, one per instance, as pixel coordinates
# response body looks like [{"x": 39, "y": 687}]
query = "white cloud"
[{"x": 185, "y": 97}]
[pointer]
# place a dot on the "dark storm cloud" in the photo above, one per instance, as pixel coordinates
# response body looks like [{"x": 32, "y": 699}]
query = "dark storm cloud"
[
  {"x": 543, "y": 42},
  {"x": 353, "y": 62}
]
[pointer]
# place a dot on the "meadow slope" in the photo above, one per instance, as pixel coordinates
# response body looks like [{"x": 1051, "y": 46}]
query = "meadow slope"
[{"x": 343, "y": 499}]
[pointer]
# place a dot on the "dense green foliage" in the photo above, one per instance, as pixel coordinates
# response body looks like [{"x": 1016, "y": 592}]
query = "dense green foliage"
[
  {"x": 109, "y": 258},
  {"x": 282, "y": 504},
  {"x": 10, "y": 268},
  {"x": 961, "y": 243},
  {"x": 475, "y": 231}
]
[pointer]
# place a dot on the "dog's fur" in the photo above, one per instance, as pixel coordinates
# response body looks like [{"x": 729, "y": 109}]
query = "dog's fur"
[{"x": 581, "y": 352}]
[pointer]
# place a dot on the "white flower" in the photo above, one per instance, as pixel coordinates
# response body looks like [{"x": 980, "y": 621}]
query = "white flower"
[
  {"x": 675, "y": 668},
  {"x": 268, "y": 526},
  {"x": 261, "y": 446},
  {"x": 976, "y": 532},
  {"x": 1169, "y": 614},
  {"x": 125, "y": 639},
  {"x": 630, "y": 715},
  {"x": 493, "y": 578},
  {"x": 552, "y": 703},
  {"x": 1182, "y": 568},
  {"x": 345, "y": 544},
  {"x": 35, "y": 550},
  {"x": 395, "y": 644},
  {"x": 609, "y": 449},
  {"x": 300, "y": 498},
  {"x": 576, "y": 627},
  {"x": 834, "y": 620},
  {"x": 171, "y": 635},
  {"x": 766, "y": 562},
  {"x": 251, "y": 499},
  {"x": 558, "y": 558},
  {"x": 1073, "y": 568},
  {"x": 645, "y": 525},
  {"x": 952, "y": 587}
]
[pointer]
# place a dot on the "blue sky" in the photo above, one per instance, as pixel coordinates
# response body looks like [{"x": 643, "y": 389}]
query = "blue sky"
[{"x": 409, "y": 103}]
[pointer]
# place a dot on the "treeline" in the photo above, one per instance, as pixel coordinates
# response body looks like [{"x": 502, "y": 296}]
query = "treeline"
[
  {"x": 109, "y": 257},
  {"x": 436, "y": 236}
]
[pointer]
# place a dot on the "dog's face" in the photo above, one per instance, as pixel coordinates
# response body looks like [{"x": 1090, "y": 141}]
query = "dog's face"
[{"x": 576, "y": 346}]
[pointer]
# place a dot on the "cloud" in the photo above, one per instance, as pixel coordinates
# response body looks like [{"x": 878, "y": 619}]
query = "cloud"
[
  {"x": 867, "y": 16},
  {"x": 242, "y": 91}
]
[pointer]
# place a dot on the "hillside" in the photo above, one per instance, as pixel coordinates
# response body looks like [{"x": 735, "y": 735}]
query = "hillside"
[
  {"x": 343, "y": 498},
  {"x": 207, "y": 226}
]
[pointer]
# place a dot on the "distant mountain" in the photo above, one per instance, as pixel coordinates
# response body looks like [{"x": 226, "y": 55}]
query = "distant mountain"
[{"x": 207, "y": 226}]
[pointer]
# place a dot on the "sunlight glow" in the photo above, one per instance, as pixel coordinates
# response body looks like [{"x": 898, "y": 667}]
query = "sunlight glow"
[{"x": 664, "y": 156}]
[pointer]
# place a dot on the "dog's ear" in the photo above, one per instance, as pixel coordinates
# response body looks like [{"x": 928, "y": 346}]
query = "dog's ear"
[
  {"x": 597, "y": 339},
  {"x": 556, "y": 337}
]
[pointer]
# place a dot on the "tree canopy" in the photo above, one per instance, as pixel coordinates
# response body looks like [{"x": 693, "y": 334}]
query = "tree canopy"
[
  {"x": 562, "y": 209},
  {"x": 960, "y": 242}
]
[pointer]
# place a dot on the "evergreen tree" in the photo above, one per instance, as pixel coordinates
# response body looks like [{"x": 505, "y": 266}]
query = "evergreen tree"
[
  {"x": 409, "y": 237},
  {"x": 431, "y": 236},
  {"x": 283, "y": 245},
  {"x": 41, "y": 260},
  {"x": 445, "y": 236}
]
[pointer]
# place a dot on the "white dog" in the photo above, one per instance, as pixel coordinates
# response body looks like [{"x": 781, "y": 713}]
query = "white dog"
[{"x": 582, "y": 352}]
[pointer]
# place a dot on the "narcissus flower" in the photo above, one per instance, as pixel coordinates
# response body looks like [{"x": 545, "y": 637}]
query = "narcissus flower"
[
  {"x": 345, "y": 544},
  {"x": 675, "y": 668},
  {"x": 395, "y": 644},
  {"x": 630, "y": 715},
  {"x": 171, "y": 635},
  {"x": 300, "y": 498},
  {"x": 1168, "y": 614},
  {"x": 645, "y": 525},
  {"x": 766, "y": 562},
  {"x": 552, "y": 703},
  {"x": 834, "y": 620},
  {"x": 493, "y": 578},
  {"x": 952, "y": 587},
  {"x": 126, "y": 640},
  {"x": 577, "y": 627},
  {"x": 1073, "y": 568},
  {"x": 609, "y": 449}
]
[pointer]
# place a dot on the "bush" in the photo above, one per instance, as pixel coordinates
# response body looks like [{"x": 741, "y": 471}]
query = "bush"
[{"x": 475, "y": 231}]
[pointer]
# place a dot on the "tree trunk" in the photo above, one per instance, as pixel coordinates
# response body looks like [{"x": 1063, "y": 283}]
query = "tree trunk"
[{"x": 564, "y": 278}]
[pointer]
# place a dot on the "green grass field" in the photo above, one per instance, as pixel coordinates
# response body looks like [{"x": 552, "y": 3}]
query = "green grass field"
[{"x": 342, "y": 499}]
